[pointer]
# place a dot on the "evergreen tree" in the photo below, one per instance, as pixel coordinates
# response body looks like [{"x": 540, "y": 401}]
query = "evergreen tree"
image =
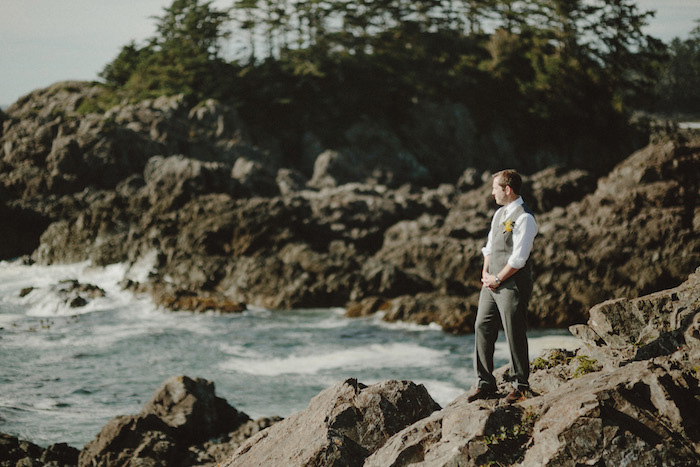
[
  {"x": 184, "y": 56},
  {"x": 678, "y": 89}
]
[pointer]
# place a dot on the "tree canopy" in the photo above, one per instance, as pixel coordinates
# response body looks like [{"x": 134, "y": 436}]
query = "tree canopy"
[{"x": 299, "y": 64}]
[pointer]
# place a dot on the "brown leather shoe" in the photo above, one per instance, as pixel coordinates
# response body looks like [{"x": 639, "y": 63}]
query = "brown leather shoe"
[
  {"x": 514, "y": 396},
  {"x": 481, "y": 393}
]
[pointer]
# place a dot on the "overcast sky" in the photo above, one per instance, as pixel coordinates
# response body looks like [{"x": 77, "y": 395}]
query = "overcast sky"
[{"x": 45, "y": 41}]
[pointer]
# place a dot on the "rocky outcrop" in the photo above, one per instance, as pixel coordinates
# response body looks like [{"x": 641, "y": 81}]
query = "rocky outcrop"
[
  {"x": 634, "y": 232},
  {"x": 16, "y": 452},
  {"x": 341, "y": 426},
  {"x": 173, "y": 428},
  {"x": 637, "y": 233},
  {"x": 227, "y": 222},
  {"x": 628, "y": 395}
]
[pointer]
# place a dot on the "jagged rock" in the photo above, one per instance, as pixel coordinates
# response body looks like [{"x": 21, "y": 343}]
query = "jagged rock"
[
  {"x": 341, "y": 426},
  {"x": 378, "y": 156},
  {"x": 218, "y": 122},
  {"x": 469, "y": 180},
  {"x": 613, "y": 408},
  {"x": 173, "y": 181},
  {"x": 182, "y": 413},
  {"x": 192, "y": 409},
  {"x": 15, "y": 452},
  {"x": 640, "y": 414},
  {"x": 391, "y": 281},
  {"x": 333, "y": 168},
  {"x": 634, "y": 235},
  {"x": 556, "y": 186},
  {"x": 12, "y": 450},
  {"x": 455, "y": 435},
  {"x": 650, "y": 326},
  {"x": 255, "y": 177},
  {"x": 224, "y": 216},
  {"x": 130, "y": 439},
  {"x": 453, "y": 314},
  {"x": 217, "y": 450},
  {"x": 185, "y": 300},
  {"x": 74, "y": 292},
  {"x": 60, "y": 454},
  {"x": 290, "y": 181}
]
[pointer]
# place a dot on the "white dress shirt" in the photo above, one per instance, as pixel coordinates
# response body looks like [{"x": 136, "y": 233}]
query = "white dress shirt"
[{"x": 524, "y": 232}]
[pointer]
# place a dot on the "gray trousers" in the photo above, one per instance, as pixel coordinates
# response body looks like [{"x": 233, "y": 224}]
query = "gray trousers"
[{"x": 507, "y": 305}]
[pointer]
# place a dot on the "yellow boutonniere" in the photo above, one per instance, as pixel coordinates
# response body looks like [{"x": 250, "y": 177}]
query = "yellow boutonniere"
[{"x": 508, "y": 225}]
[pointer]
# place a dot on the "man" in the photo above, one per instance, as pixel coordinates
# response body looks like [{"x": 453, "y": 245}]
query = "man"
[{"x": 506, "y": 287}]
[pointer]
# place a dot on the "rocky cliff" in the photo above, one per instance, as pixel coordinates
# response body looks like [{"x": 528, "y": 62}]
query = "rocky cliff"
[
  {"x": 629, "y": 395},
  {"x": 224, "y": 223}
]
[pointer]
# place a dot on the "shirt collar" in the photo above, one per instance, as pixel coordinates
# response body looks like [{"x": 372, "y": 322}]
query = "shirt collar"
[{"x": 509, "y": 208}]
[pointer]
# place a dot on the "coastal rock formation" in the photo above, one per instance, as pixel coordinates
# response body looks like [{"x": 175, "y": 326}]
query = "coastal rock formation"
[
  {"x": 182, "y": 415},
  {"x": 226, "y": 222},
  {"x": 15, "y": 452},
  {"x": 341, "y": 426},
  {"x": 628, "y": 395}
]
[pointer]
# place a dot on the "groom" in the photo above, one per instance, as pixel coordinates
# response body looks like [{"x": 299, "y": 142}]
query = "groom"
[{"x": 506, "y": 287}]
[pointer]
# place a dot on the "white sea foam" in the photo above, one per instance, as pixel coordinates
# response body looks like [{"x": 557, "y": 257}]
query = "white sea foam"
[
  {"x": 378, "y": 319},
  {"x": 46, "y": 299},
  {"x": 240, "y": 351},
  {"x": 537, "y": 345},
  {"x": 442, "y": 392},
  {"x": 7, "y": 319},
  {"x": 334, "y": 319},
  {"x": 142, "y": 268},
  {"x": 364, "y": 357}
]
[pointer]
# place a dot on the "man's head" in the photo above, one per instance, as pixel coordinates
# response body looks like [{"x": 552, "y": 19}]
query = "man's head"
[{"x": 506, "y": 186}]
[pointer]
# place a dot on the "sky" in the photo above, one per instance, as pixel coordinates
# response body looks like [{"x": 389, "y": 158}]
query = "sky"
[{"x": 46, "y": 41}]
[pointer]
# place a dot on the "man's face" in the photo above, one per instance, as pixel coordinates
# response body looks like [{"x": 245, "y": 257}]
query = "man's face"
[{"x": 498, "y": 192}]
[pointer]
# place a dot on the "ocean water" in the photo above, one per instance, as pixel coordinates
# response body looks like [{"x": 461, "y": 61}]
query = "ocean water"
[{"x": 65, "y": 372}]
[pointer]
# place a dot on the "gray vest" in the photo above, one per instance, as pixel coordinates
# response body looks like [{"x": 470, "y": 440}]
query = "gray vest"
[{"x": 502, "y": 248}]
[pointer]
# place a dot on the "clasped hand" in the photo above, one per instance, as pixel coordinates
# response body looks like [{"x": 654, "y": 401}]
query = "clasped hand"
[{"x": 489, "y": 281}]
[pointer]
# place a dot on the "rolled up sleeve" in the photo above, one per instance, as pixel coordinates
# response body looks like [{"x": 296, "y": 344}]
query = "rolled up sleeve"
[{"x": 524, "y": 233}]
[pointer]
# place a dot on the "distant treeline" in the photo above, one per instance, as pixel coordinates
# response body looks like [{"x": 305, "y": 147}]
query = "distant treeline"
[{"x": 542, "y": 68}]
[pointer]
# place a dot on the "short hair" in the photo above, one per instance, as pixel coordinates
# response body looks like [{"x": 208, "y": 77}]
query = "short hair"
[{"x": 511, "y": 178}]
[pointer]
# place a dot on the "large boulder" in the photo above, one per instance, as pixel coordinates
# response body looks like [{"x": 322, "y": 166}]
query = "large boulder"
[
  {"x": 341, "y": 426},
  {"x": 192, "y": 409},
  {"x": 183, "y": 414},
  {"x": 651, "y": 326},
  {"x": 170, "y": 182},
  {"x": 256, "y": 178},
  {"x": 333, "y": 168}
]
